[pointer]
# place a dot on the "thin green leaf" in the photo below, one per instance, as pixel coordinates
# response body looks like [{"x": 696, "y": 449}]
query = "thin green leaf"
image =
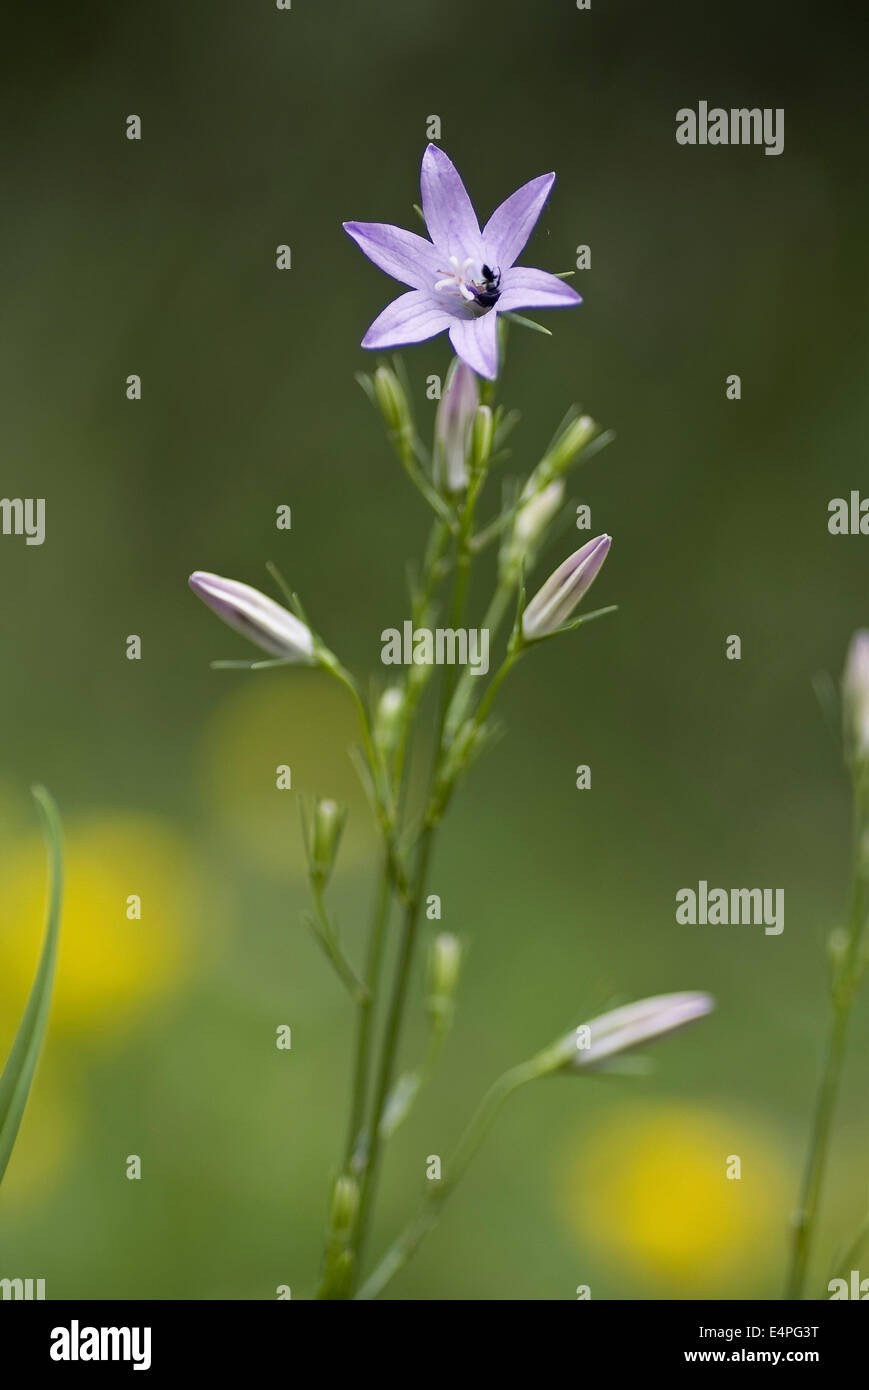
[
  {"x": 367, "y": 386},
  {"x": 399, "y": 1103},
  {"x": 527, "y": 323},
  {"x": 18, "y": 1073},
  {"x": 827, "y": 697},
  {"x": 282, "y": 584},
  {"x": 847, "y": 1255},
  {"x": 250, "y": 665},
  {"x": 586, "y": 618},
  {"x": 505, "y": 422},
  {"x": 332, "y": 948}
]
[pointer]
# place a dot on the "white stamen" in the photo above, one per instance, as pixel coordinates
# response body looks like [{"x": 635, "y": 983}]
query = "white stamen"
[{"x": 458, "y": 277}]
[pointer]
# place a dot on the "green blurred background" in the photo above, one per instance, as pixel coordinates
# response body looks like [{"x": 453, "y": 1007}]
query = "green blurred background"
[{"x": 157, "y": 258}]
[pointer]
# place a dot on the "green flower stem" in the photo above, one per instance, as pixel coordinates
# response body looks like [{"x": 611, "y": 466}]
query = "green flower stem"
[
  {"x": 433, "y": 571},
  {"x": 411, "y": 920},
  {"x": 847, "y": 979},
  {"x": 363, "y": 1031},
  {"x": 446, "y": 780},
  {"x": 463, "y": 553},
  {"x": 359, "y": 1159},
  {"x": 380, "y": 785},
  {"x": 412, "y": 907},
  {"x": 492, "y": 620},
  {"x": 463, "y": 558},
  {"x": 407, "y": 1089},
  {"x": 390, "y": 1041},
  {"x": 410, "y": 1239},
  {"x": 495, "y": 684},
  {"x": 327, "y": 936},
  {"x": 816, "y": 1166},
  {"x": 334, "y": 667},
  {"x": 407, "y": 447}
]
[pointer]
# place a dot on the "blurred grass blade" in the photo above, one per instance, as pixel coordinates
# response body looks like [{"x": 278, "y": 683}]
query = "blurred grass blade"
[
  {"x": 827, "y": 697},
  {"x": 846, "y": 1257},
  {"x": 18, "y": 1072}
]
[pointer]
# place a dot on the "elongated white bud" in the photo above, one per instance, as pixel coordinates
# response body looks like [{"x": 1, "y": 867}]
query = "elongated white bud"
[
  {"x": 454, "y": 426},
  {"x": 552, "y": 605},
  {"x": 256, "y": 617},
  {"x": 645, "y": 1021}
]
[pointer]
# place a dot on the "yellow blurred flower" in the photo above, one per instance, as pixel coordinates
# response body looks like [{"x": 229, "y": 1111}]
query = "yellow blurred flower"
[
  {"x": 301, "y": 719},
  {"x": 111, "y": 966},
  {"x": 650, "y": 1189}
]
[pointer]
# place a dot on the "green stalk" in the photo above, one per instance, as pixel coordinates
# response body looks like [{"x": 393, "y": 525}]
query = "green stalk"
[
  {"x": 390, "y": 1042},
  {"x": 356, "y": 1160},
  {"x": 410, "y": 1239},
  {"x": 389, "y": 1054},
  {"x": 844, "y": 992},
  {"x": 492, "y": 620},
  {"x": 20, "y": 1068},
  {"x": 363, "y": 1033}
]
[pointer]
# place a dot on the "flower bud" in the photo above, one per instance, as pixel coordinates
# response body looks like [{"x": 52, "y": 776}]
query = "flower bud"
[
  {"x": 454, "y": 425},
  {"x": 328, "y": 821},
  {"x": 855, "y": 698},
  {"x": 391, "y": 399},
  {"x": 256, "y": 617},
  {"x": 535, "y": 513},
  {"x": 445, "y": 959},
  {"x": 389, "y": 719},
  {"x": 482, "y": 434},
  {"x": 567, "y": 444},
  {"x": 345, "y": 1202},
  {"x": 553, "y": 604},
  {"x": 647, "y": 1020}
]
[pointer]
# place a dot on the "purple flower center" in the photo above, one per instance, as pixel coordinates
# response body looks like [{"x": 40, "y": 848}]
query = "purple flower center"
[{"x": 476, "y": 283}]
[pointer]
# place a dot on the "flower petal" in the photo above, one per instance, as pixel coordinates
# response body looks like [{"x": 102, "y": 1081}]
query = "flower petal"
[
  {"x": 511, "y": 224},
  {"x": 449, "y": 214},
  {"x": 411, "y": 318},
  {"x": 476, "y": 342},
  {"x": 524, "y": 288},
  {"x": 403, "y": 255}
]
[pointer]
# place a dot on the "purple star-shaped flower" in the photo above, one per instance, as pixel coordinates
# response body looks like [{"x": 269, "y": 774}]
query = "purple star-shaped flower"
[{"x": 463, "y": 278}]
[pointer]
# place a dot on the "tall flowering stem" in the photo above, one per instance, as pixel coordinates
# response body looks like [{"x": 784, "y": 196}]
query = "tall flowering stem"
[{"x": 464, "y": 280}]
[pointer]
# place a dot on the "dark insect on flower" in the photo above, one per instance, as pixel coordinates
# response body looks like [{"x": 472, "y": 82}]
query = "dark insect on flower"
[{"x": 487, "y": 291}]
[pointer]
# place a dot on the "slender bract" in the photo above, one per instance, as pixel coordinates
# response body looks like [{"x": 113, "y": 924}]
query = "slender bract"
[{"x": 18, "y": 1073}]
